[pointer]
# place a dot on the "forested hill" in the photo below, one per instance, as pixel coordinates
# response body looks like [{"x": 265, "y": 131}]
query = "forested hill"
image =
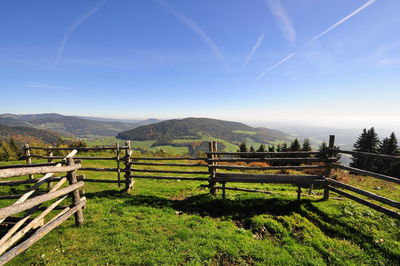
[
  {"x": 28, "y": 135},
  {"x": 67, "y": 125},
  {"x": 196, "y": 128}
]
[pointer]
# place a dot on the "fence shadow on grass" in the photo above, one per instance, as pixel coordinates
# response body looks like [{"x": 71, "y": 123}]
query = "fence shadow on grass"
[{"x": 336, "y": 228}]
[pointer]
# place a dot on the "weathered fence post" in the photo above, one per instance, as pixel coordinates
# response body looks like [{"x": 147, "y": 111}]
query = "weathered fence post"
[
  {"x": 50, "y": 154},
  {"x": 128, "y": 179},
  {"x": 212, "y": 145},
  {"x": 328, "y": 154},
  {"x": 28, "y": 157},
  {"x": 118, "y": 165},
  {"x": 76, "y": 197}
]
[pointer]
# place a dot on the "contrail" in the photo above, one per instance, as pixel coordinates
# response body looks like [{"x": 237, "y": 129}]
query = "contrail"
[
  {"x": 283, "y": 19},
  {"x": 199, "y": 31},
  {"x": 71, "y": 29},
  {"x": 277, "y": 64},
  {"x": 355, "y": 12},
  {"x": 255, "y": 47}
]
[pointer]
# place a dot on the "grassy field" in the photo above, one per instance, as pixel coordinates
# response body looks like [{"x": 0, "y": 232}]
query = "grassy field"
[{"x": 176, "y": 222}]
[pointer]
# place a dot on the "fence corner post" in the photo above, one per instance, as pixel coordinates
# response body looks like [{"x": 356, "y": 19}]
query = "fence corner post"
[
  {"x": 118, "y": 165},
  {"x": 212, "y": 145},
  {"x": 76, "y": 195},
  {"x": 328, "y": 154},
  {"x": 28, "y": 157},
  {"x": 128, "y": 172}
]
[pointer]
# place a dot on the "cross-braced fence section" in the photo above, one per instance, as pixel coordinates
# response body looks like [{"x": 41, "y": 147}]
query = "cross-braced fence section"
[
  {"x": 121, "y": 156},
  {"x": 32, "y": 216},
  {"x": 381, "y": 203}
]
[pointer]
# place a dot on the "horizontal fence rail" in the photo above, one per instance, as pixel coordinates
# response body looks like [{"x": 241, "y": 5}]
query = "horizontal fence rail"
[{"x": 368, "y": 154}]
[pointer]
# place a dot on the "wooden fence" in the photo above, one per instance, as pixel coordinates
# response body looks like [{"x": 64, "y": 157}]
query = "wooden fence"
[
  {"x": 334, "y": 185},
  {"x": 122, "y": 156},
  {"x": 27, "y": 228},
  {"x": 216, "y": 161},
  {"x": 208, "y": 169}
]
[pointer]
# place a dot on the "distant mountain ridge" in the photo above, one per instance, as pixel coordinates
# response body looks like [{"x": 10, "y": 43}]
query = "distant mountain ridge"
[
  {"x": 196, "y": 128},
  {"x": 28, "y": 134},
  {"x": 70, "y": 125}
]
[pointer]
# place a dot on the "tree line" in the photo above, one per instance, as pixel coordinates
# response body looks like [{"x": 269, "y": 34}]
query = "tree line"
[
  {"x": 284, "y": 147},
  {"x": 368, "y": 141}
]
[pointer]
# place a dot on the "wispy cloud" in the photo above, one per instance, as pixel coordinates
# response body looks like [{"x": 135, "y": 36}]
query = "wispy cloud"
[
  {"x": 284, "y": 21},
  {"x": 68, "y": 32},
  {"x": 355, "y": 12},
  {"x": 41, "y": 85},
  {"x": 199, "y": 31},
  {"x": 254, "y": 49}
]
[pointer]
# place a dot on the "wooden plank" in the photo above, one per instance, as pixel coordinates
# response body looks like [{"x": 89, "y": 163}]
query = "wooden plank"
[
  {"x": 283, "y": 160},
  {"x": 171, "y": 172},
  {"x": 268, "y": 176},
  {"x": 366, "y": 203},
  {"x": 26, "y": 165},
  {"x": 167, "y": 164},
  {"x": 271, "y": 180},
  {"x": 244, "y": 168},
  {"x": 367, "y": 173},
  {"x": 369, "y": 154},
  {"x": 365, "y": 193},
  {"x": 168, "y": 158},
  {"x": 170, "y": 177},
  {"x": 244, "y": 189},
  {"x": 39, "y": 234},
  {"x": 77, "y": 148},
  {"x": 266, "y": 153},
  {"x": 79, "y": 158},
  {"x": 10, "y": 172},
  {"x": 23, "y": 206}
]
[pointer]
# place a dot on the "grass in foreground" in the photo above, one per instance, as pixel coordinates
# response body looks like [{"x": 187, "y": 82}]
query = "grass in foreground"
[{"x": 175, "y": 222}]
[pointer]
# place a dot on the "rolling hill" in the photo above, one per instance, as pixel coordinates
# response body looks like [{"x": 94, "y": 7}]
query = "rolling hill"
[
  {"x": 197, "y": 128},
  {"x": 70, "y": 125},
  {"x": 28, "y": 135}
]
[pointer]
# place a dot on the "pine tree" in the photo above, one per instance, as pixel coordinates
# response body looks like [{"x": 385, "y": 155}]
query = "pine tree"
[
  {"x": 295, "y": 145},
  {"x": 271, "y": 148},
  {"x": 243, "y": 147},
  {"x": 306, "y": 145},
  {"x": 388, "y": 146},
  {"x": 368, "y": 141},
  {"x": 279, "y": 148},
  {"x": 261, "y": 148},
  {"x": 284, "y": 147},
  {"x": 252, "y": 149}
]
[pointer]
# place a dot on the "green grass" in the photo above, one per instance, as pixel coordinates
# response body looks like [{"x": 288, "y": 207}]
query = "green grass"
[{"x": 175, "y": 222}]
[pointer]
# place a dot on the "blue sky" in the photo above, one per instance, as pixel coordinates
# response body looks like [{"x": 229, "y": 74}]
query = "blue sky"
[{"x": 328, "y": 62}]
